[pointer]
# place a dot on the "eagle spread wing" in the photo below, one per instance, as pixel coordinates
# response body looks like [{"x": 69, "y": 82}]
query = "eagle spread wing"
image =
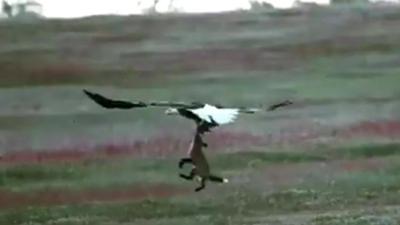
[
  {"x": 110, "y": 104},
  {"x": 279, "y": 105}
]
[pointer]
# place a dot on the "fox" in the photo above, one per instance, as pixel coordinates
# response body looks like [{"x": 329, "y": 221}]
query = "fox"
[{"x": 200, "y": 166}]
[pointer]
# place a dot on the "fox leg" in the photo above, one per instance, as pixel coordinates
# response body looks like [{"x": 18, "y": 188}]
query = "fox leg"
[
  {"x": 202, "y": 185},
  {"x": 183, "y": 161},
  {"x": 188, "y": 177}
]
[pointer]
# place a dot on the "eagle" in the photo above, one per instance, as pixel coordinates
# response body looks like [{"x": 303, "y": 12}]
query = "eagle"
[{"x": 206, "y": 116}]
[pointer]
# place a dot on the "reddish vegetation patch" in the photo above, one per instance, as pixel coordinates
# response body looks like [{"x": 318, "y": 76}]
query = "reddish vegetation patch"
[
  {"x": 336, "y": 45},
  {"x": 278, "y": 175},
  {"x": 38, "y": 157},
  {"x": 154, "y": 147},
  {"x": 218, "y": 141},
  {"x": 300, "y": 133},
  {"x": 385, "y": 128},
  {"x": 59, "y": 71},
  {"x": 58, "y": 197},
  {"x": 203, "y": 59},
  {"x": 221, "y": 140},
  {"x": 38, "y": 71},
  {"x": 363, "y": 165},
  {"x": 106, "y": 38}
]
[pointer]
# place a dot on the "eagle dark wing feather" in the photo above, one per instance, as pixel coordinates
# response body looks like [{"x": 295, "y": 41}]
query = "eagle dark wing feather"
[
  {"x": 110, "y": 104},
  {"x": 279, "y": 105},
  {"x": 189, "y": 114},
  {"x": 177, "y": 104},
  {"x": 202, "y": 125}
]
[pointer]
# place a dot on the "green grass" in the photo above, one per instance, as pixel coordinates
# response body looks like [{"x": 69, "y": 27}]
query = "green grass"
[
  {"x": 242, "y": 160},
  {"x": 374, "y": 218},
  {"x": 89, "y": 174},
  {"x": 232, "y": 59},
  {"x": 113, "y": 173},
  {"x": 235, "y": 205},
  {"x": 37, "y": 173},
  {"x": 269, "y": 57},
  {"x": 362, "y": 151},
  {"x": 121, "y": 212},
  {"x": 119, "y": 172}
]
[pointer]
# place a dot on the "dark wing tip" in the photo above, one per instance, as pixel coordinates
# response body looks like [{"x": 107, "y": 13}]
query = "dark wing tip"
[
  {"x": 279, "y": 105},
  {"x": 93, "y": 96},
  {"x": 110, "y": 103},
  {"x": 88, "y": 93}
]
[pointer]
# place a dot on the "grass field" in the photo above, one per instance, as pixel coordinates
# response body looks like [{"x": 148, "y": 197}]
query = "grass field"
[{"x": 332, "y": 158}]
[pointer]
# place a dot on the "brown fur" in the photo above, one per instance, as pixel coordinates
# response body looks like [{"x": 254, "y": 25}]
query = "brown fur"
[
  {"x": 199, "y": 160},
  {"x": 201, "y": 168}
]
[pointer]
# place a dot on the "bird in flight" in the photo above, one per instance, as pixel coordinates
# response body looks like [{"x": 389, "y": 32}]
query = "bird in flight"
[{"x": 206, "y": 116}]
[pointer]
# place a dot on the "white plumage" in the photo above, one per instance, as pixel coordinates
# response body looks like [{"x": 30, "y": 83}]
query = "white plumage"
[{"x": 210, "y": 114}]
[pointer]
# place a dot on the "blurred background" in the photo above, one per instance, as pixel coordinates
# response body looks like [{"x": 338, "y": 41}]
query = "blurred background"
[{"x": 330, "y": 158}]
